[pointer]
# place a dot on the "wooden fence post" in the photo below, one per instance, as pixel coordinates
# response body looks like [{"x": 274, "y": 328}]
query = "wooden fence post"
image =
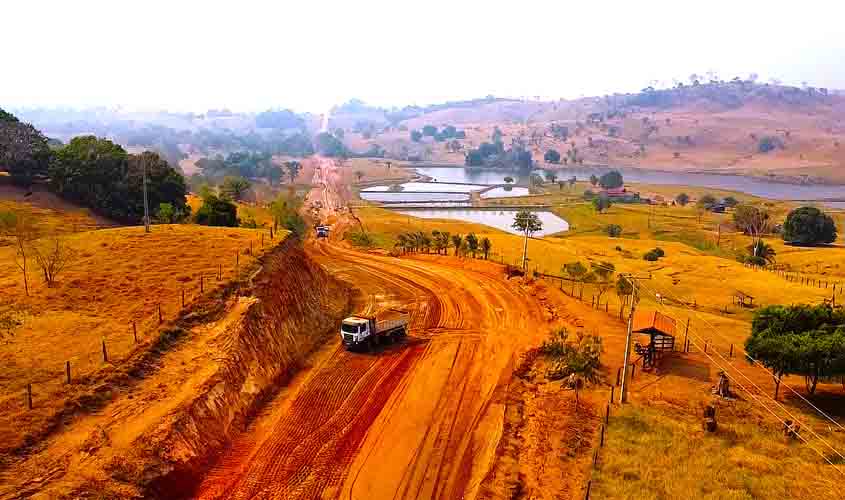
[
  {"x": 202, "y": 285},
  {"x": 183, "y": 297},
  {"x": 633, "y": 370},
  {"x": 705, "y": 346},
  {"x": 607, "y": 414},
  {"x": 237, "y": 260},
  {"x": 135, "y": 332},
  {"x": 29, "y": 396},
  {"x": 105, "y": 352},
  {"x": 612, "y": 389},
  {"x": 618, "y": 375},
  {"x": 601, "y": 439},
  {"x": 219, "y": 272},
  {"x": 732, "y": 351},
  {"x": 587, "y": 494},
  {"x": 262, "y": 239},
  {"x": 67, "y": 370},
  {"x": 160, "y": 318},
  {"x": 686, "y": 334}
]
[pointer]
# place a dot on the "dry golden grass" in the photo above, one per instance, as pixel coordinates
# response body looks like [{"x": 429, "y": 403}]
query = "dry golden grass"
[
  {"x": 696, "y": 279},
  {"x": 119, "y": 276}
]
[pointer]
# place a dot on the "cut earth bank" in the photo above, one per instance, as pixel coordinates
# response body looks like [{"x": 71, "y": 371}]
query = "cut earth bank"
[{"x": 175, "y": 410}]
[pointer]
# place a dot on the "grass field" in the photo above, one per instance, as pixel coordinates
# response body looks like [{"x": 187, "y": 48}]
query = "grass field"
[
  {"x": 659, "y": 449},
  {"x": 118, "y": 276}
]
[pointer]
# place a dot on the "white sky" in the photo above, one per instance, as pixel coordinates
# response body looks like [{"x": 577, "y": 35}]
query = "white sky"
[{"x": 307, "y": 54}]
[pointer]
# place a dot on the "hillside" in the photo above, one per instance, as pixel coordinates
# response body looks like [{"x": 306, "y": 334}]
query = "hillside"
[{"x": 735, "y": 127}]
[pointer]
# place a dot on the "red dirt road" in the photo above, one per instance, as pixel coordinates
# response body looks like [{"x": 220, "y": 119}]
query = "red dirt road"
[{"x": 418, "y": 419}]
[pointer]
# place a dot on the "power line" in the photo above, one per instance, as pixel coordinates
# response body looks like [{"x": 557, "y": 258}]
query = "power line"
[
  {"x": 762, "y": 392},
  {"x": 756, "y": 362}
]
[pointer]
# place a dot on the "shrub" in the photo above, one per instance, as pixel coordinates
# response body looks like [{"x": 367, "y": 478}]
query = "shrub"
[
  {"x": 217, "y": 211},
  {"x": 612, "y": 179},
  {"x": 654, "y": 254},
  {"x": 613, "y": 230},
  {"x": 769, "y": 143},
  {"x": 360, "y": 239},
  {"x": 552, "y": 156}
]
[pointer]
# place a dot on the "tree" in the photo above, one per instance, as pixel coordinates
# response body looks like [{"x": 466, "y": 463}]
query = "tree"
[
  {"x": 624, "y": 289},
  {"x": 508, "y": 180},
  {"x": 751, "y": 220},
  {"x": 359, "y": 175},
  {"x": 24, "y": 150},
  {"x": 808, "y": 226},
  {"x": 572, "y": 181},
  {"x": 457, "y": 239},
  {"x": 552, "y": 156},
  {"x": 601, "y": 203},
  {"x": 527, "y": 223},
  {"x": 769, "y": 143},
  {"x": 293, "y": 167},
  {"x": 19, "y": 226},
  {"x": 416, "y": 135},
  {"x": 329, "y": 145},
  {"x": 486, "y": 245},
  {"x": 611, "y": 180},
  {"x": 216, "y": 211},
  {"x": 613, "y": 230},
  {"x": 53, "y": 257},
  {"x": 338, "y": 132},
  {"x": 429, "y": 130},
  {"x": 602, "y": 276},
  {"x": 682, "y": 199},
  {"x": 165, "y": 213},
  {"x": 594, "y": 180},
  {"x": 576, "y": 272},
  {"x": 707, "y": 201},
  {"x": 234, "y": 188},
  {"x": 472, "y": 243},
  {"x": 280, "y": 119},
  {"x": 806, "y": 340},
  {"x": 730, "y": 201},
  {"x": 550, "y": 177}
]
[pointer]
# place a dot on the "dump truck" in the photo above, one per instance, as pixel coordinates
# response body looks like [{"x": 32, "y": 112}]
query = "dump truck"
[
  {"x": 367, "y": 331},
  {"x": 322, "y": 231}
]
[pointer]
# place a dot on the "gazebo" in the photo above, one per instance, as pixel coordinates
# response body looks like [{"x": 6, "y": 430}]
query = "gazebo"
[{"x": 661, "y": 333}]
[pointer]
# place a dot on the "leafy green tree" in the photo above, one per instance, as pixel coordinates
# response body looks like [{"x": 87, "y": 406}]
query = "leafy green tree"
[
  {"x": 576, "y": 272},
  {"x": 416, "y": 135},
  {"x": 24, "y": 151},
  {"x": 497, "y": 135},
  {"x": 216, "y": 211},
  {"x": 338, "y": 132},
  {"x": 806, "y": 340},
  {"x": 474, "y": 158},
  {"x": 279, "y": 119},
  {"x": 613, "y": 230},
  {"x": 527, "y": 223},
  {"x": 730, "y": 201},
  {"x": 601, "y": 203},
  {"x": 166, "y": 214},
  {"x": 624, "y": 289},
  {"x": 578, "y": 361},
  {"x": 602, "y": 276},
  {"x": 707, "y": 201},
  {"x": 550, "y": 177},
  {"x": 472, "y": 243},
  {"x": 486, "y": 245},
  {"x": 552, "y": 156},
  {"x": 611, "y": 180},
  {"x": 760, "y": 253},
  {"x": 429, "y": 130},
  {"x": 809, "y": 226},
  {"x": 449, "y": 131},
  {"x": 682, "y": 199},
  {"x": 234, "y": 188},
  {"x": 594, "y": 180}
]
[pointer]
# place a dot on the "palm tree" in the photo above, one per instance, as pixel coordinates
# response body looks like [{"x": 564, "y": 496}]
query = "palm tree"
[
  {"x": 457, "y": 239},
  {"x": 486, "y": 245},
  {"x": 761, "y": 252},
  {"x": 472, "y": 243}
]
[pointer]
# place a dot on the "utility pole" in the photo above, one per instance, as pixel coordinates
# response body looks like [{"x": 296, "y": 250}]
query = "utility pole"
[
  {"x": 146, "y": 204},
  {"x": 525, "y": 250},
  {"x": 623, "y": 393}
]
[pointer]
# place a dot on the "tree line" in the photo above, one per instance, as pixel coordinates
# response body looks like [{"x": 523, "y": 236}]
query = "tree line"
[{"x": 441, "y": 241}]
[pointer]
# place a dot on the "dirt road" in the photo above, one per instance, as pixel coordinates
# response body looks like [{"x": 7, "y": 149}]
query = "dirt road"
[{"x": 418, "y": 419}]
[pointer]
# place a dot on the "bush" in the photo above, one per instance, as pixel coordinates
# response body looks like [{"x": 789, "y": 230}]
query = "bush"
[
  {"x": 360, "y": 239},
  {"x": 654, "y": 254},
  {"x": 613, "y": 230},
  {"x": 611, "y": 180},
  {"x": 682, "y": 199},
  {"x": 552, "y": 156},
  {"x": 769, "y": 143},
  {"x": 416, "y": 135},
  {"x": 217, "y": 211},
  {"x": 429, "y": 130}
]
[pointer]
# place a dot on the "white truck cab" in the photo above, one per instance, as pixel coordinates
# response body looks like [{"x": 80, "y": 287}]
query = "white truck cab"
[{"x": 359, "y": 330}]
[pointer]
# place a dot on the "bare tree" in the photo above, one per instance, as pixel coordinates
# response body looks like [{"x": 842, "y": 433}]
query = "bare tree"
[
  {"x": 53, "y": 258},
  {"x": 19, "y": 227}
]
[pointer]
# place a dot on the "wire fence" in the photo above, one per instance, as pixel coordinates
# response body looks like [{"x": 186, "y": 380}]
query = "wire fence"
[
  {"x": 836, "y": 287},
  {"x": 50, "y": 379}
]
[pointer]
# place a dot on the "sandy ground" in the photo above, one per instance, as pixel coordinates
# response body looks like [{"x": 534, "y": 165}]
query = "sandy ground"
[{"x": 414, "y": 420}]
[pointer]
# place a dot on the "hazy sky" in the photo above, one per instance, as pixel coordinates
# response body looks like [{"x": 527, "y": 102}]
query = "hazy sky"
[{"x": 308, "y": 55}]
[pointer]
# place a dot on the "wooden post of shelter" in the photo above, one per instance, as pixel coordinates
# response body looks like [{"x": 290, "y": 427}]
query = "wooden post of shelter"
[
  {"x": 135, "y": 332},
  {"x": 67, "y": 371},
  {"x": 105, "y": 352}
]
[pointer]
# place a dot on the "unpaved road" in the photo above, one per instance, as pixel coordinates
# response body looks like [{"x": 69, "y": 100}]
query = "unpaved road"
[{"x": 419, "y": 419}]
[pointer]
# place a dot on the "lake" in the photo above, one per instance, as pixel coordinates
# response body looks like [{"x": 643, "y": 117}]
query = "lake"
[
  {"x": 749, "y": 185},
  {"x": 499, "y": 219}
]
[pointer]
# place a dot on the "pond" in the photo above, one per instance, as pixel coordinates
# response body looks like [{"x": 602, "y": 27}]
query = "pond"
[
  {"x": 438, "y": 187},
  {"x": 399, "y": 197},
  {"x": 750, "y": 185},
  {"x": 505, "y": 192},
  {"x": 499, "y": 219}
]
